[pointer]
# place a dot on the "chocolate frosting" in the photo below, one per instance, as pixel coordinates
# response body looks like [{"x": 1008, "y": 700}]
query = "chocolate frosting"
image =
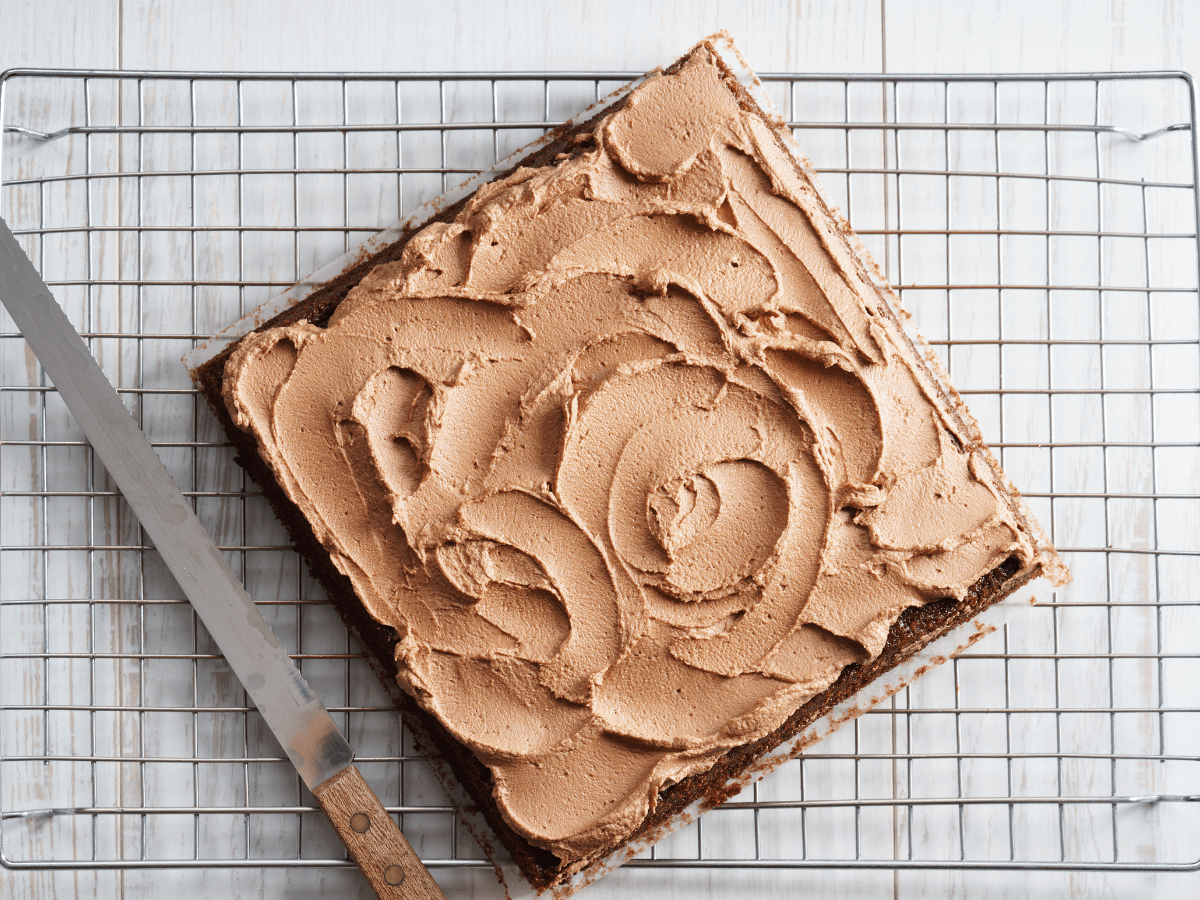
[{"x": 629, "y": 456}]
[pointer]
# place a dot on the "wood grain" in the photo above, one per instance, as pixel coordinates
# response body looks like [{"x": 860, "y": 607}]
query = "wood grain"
[
  {"x": 374, "y": 840},
  {"x": 55, "y": 33},
  {"x": 505, "y": 35},
  {"x": 361, "y": 35},
  {"x": 1037, "y": 36}
]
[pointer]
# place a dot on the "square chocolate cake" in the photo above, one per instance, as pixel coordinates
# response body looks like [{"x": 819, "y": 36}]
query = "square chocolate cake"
[{"x": 625, "y": 468}]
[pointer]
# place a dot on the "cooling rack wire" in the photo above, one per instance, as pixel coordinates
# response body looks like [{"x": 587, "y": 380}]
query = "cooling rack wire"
[{"x": 1041, "y": 229}]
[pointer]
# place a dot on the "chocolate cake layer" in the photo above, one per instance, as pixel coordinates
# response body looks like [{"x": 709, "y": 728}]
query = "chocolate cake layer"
[{"x": 624, "y": 470}]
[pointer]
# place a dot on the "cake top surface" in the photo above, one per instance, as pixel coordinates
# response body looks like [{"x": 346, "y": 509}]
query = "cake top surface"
[{"x": 631, "y": 457}]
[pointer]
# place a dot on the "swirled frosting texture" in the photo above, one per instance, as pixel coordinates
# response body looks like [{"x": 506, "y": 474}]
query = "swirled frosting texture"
[{"x": 627, "y": 456}]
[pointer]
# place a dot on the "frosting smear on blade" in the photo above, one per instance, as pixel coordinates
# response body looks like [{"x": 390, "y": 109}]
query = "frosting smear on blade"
[{"x": 628, "y": 459}]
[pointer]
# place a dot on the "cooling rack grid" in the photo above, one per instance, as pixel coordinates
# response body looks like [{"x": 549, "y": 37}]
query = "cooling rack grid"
[{"x": 1041, "y": 229}]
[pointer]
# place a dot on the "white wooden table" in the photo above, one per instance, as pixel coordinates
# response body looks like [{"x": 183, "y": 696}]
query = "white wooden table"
[{"x": 864, "y": 36}]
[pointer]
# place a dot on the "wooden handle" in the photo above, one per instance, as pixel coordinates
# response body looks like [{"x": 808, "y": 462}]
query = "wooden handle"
[{"x": 374, "y": 839}]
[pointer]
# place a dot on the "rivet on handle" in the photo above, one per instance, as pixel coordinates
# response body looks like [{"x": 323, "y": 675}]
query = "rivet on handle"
[
  {"x": 393, "y": 875},
  {"x": 360, "y": 822}
]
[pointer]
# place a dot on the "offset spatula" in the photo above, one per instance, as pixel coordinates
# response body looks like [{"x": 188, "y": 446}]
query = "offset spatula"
[{"x": 293, "y": 712}]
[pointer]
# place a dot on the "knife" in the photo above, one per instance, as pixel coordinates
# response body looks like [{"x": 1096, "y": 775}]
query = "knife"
[{"x": 291, "y": 710}]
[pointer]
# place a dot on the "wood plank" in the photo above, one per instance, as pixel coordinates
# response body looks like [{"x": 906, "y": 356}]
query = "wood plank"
[
  {"x": 1036, "y": 36},
  {"x": 506, "y": 35},
  {"x": 819, "y": 35},
  {"x": 59, "y": 34},
  {"x": 1030, "y": 36},
  {"x": 56, "y": 33}
]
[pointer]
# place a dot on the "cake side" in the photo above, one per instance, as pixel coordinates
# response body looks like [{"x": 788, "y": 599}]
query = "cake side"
[{"x": 816, "y": 357}]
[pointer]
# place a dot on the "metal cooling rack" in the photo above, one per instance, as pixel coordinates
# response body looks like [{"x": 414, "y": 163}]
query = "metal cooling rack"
[{"x": 1043, "y": 231}]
